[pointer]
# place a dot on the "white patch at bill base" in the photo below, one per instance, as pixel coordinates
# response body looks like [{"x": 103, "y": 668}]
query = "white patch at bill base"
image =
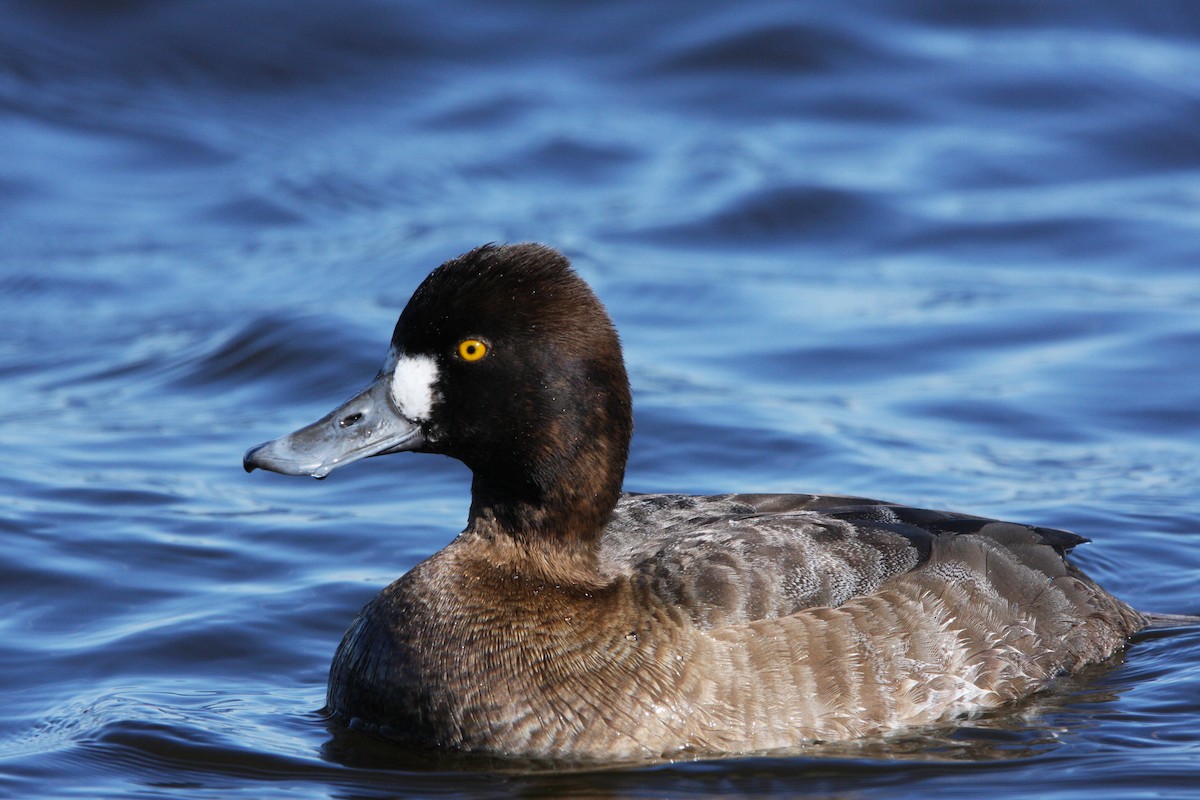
[{"x": 413, "y": 382}]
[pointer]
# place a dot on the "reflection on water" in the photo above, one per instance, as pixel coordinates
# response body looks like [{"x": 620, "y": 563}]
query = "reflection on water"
[{"x": 940, "y": 254}]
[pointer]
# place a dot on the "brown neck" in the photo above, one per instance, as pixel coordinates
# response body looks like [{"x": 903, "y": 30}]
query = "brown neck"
[{"x": 561, "y": 512}]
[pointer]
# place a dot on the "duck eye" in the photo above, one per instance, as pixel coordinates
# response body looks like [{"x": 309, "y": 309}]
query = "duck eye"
[{"x": 471, "y": 349}]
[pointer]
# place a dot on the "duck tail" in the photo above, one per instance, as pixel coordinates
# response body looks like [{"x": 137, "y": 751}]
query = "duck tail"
[{"x": 1160, "y": 621}]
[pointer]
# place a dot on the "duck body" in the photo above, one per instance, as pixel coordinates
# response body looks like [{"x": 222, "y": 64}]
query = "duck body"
[
  {"x": 749, "y": 623},
  {"x": 569, "y": 620}
]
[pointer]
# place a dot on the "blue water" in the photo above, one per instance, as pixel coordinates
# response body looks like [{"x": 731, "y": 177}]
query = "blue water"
[{"x": 939, "y": 253}]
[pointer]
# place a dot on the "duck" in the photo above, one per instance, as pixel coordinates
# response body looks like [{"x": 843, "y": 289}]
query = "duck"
[{"x": 572, "y": 620}]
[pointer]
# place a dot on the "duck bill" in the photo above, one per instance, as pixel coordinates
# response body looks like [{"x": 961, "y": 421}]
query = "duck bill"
[{"x": 367, "y": 424}]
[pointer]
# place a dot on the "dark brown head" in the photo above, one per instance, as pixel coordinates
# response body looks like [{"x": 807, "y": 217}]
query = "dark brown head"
[{"x": 506, "y": 360}]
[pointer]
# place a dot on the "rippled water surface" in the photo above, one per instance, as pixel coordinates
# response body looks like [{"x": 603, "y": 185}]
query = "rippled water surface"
[{"x": 939, "y": 253}]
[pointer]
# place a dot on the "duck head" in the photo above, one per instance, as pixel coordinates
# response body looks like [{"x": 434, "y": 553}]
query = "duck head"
[{"x": 505, "y": 360}]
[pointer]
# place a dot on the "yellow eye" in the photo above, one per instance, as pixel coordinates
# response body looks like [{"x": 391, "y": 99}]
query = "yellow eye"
[{"x": 471, "y": 349}]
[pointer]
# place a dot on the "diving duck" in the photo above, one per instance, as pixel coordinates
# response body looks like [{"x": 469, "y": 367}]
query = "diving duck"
[{"x": 571, "y": 620}]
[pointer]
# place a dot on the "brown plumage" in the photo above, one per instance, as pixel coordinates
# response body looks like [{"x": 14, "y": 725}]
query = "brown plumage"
[{"x": 570, "y": 621}]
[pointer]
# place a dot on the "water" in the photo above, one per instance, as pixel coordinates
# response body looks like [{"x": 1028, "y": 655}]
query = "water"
[{"x": 940, "y": 253}]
